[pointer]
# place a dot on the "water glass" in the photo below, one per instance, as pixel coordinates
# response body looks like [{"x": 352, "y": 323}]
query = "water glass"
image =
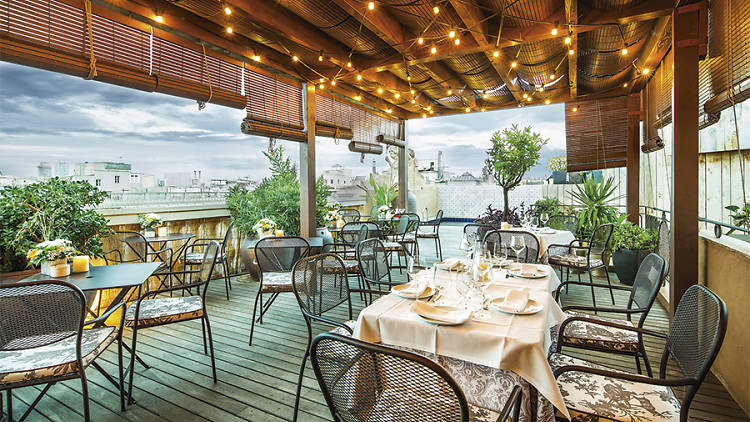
[
  {"x": 518, "y": 244},
  {"x": 545, "y": 218}
]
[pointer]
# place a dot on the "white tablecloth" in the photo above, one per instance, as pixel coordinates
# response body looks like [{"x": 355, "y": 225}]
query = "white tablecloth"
[
  {"x": 555, "y": 237},
  {"x": 511, "y": 342}
]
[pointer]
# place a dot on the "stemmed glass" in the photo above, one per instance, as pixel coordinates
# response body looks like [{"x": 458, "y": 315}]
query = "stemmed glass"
[
  {"x": 467, "y": 245},
  {"x": 500, "y": 253},
  {"x": 481, "y": 280},
  {"x": 545, "y": 218},
  {"x": 535, "y": 222},
  {"x": 518, "y": 244},
  {"x": 411, "y": 272}
]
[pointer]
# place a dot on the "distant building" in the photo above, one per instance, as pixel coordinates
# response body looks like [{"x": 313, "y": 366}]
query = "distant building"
[
  {"x": 338, "y": 176},
  {"x": 466, "y": 178},
  {"x": 44, "y": 169},
  {"x": 112, "y": 177},
  {"x": 179, "y": 179},
  {"x": 61, "y": 169}
]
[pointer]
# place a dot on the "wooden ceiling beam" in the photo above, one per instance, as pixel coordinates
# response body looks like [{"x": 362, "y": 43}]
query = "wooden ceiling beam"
[{"x": 648, "y": 10}]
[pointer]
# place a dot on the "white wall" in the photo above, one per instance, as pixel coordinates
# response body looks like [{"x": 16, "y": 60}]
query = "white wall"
[{"x": 469, "y": 201}]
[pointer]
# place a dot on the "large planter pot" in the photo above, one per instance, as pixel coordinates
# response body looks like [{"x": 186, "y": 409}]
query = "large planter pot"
[
  {"x": 626, "y": 263},
  {"x": 247, "y": 254},
  {"x": 559, "y": 177},
  {"x": 325, "y": 234}
]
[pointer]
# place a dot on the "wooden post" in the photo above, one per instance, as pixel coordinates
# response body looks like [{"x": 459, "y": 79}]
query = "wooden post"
[
  {"x": 403, "y": 168},
  {"x": 633, "y": 157},
  {"x": 307, "y": 168},
  {"x": 684, "y": 224}
]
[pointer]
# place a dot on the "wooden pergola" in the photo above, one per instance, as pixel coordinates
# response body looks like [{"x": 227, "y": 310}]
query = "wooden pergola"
[{"x": 332, "y": 68}]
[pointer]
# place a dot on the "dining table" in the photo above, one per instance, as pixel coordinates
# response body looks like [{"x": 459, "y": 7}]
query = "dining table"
[
  {"x": 547, "y": 236},
  {"x": 487, "y": 356}
]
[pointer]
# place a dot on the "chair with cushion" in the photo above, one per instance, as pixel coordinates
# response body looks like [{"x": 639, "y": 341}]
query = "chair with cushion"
[
  {"x": 152, "y": 311},
  {"x": 276, "y": 257},
  {"x": 431, "y": 230},
  {"x": 530, "y": 253},
  {"x": 320, "y": 285},
  {"x": 350, "y": 215},
  {"x": 477, "y": 231},
  {"x": 404, "y": 239},
  {"x": 368, "y": 382},
  {"x": 373, "y": 265},
  {"x": 43, "y": 340},
  {"x": 592, "y": 335},
  {"x": 587, "y": 257},
  {"x": 564, "y": 222},
  {"x": 597, "y": 393},
  {"x": 196, "y": 257}
]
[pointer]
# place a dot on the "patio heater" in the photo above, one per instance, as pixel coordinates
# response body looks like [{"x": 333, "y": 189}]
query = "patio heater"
[{"x": 652, "y": 145}]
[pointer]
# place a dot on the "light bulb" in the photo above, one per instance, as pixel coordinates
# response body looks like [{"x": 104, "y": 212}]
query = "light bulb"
[
  {"x": 256, "y": 58},
  {"x": 413, "y": 101},
  {"x": 380, "y": 90},
  {"x": 541, "y": 88},
  {"x": 411, "y": 91},
  {"x": 433, "y": 50},
  {"x": 436, "y": 10},
  {"x": 359, "y": 77},
  {"x": 514, "y": 64},
  {"x": 371, "y": 5},
  {"x": 229, "y": 29},
  {"x": 575, "y": 109},
  {"x": 525, "y": 95},
  {"x": 450, "y": 92},
  {"x": 228, "y": 11},
  {"x": 429, "y": 108},
  {"x": 159, "y": 19},
  {"x": 547, "y": 101},
  {"x": 496, "y": 53},
  {"x": 624, "y": 51},
  {"x": 571, "y": 52},
  {"x": 645, "y": 71},
  {"x": 408, "y": 78},
  {"x": 625, "y": 85},
  {"x": 467, "y": 109},
  {"x": 320, "y": 58},
  {"x": 388, "y": 110},
  {"x": 424, "y": 115},
  {"x": 452, "y": 34},
  {"x": 457, "y": 41},
  {"x": 528, "y": 99},
  {"x": 432, "y": 112},
  {"x": 295, "y": 58},
  {"x": 568, "y": 40},
  {"x": 552, "y": 76},
  {"x": 420, "y": 40},
  {"x": 322, "y": 86},
  {"x": 358, "y": 98},
  {"x": 322, "y": 80},
  {"x": 397, "y": 95},
  {"x": 483, "y": 109},
  {"x": 485, "y": 96},
  {"x": 349, "y": 64},
  {"x": 554, "y": 31},
  {"x": 333, "y": 83}
]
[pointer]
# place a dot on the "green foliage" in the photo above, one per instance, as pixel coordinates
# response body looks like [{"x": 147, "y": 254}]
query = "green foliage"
[
  {"x": 595, "y": 199},
  {"x": 740, "y": 216},
  {"x": 48, "y": 210},
  {"x": 277, "y": 197},
  {"x": 559, "y": 163},
  {"x": 381, "y": 194},
  {"x": 630, "y": 236},
  {"x": 513, "y": 152},
  {"x": 551, "y": 206}
]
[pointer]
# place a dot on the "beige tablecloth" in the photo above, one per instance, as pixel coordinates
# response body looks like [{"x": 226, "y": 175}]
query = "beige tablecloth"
[
  {"x": 518, "y": 343},
  {"x": 557, "y": 237}
]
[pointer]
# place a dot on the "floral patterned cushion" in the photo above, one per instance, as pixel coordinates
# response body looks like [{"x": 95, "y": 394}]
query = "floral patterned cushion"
[
  {"x": 277, "y": 282},
  {"x": 389, "y": 408},
  {"x": 350, "y": 266},
  {"x": 572, "y": 260},
  {"x": 165, "y": 310},
  {"x": 392, "y": 246},
  {"x": 596, "y": 398},
  {"x": 591, "y": 335},
  {"x": 54, "y": 359},
  {"x": 342, "y": 331},
  {"x": 196, "y": 258}
]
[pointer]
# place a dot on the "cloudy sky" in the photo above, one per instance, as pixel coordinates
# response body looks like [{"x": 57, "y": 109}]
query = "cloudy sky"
[{"x": 46, "y": 116}]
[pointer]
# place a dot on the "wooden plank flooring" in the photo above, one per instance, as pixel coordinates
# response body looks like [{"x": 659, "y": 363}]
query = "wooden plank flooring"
[{"x": 258, "y": 383}]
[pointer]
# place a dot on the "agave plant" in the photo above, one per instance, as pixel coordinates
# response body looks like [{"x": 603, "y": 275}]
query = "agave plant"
[
  {"x": 382, "y": 194},
  {"x": 595, "y": 200}
]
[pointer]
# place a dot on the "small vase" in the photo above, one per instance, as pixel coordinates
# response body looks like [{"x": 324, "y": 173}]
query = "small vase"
[
  {"x": 60, "y": 270},
  {"x": 46, "y": 267},
  {"x": 149, "y": 233}
]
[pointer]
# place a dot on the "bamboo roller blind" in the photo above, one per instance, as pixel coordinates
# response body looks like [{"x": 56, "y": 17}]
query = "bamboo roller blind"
[
  {"x": 596, "y": 134},
  {"x": 364, "y": 125},
  {"x": 272, "y": 101}
]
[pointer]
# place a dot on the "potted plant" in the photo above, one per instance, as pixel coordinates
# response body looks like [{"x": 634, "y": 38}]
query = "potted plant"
[
  {"x": 559, "y": 168},
  {"x": 630, "y": 245},
  {"x": 740, "y": 218},
  {"x": 149, "y": 223},
  {"x": 549, "y": 206},
  {"x": 265, "y": 227},
  {"x": 594, "y": 199},
  {"x": 52, "y": 256}
]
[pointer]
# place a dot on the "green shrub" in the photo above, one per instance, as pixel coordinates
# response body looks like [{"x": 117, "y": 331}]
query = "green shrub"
[
  {"x": 551, "y": 206},
  {"x": 595, "y": 202},
  {"x": 48, "y": 210},
  {"x": 630, "y": 236}
]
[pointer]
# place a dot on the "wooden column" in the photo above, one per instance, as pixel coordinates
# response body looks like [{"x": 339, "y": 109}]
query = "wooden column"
[
  {"x": 307, "y": 168},
  {"x": 633, "y": 157},
  {"x": 684, "y": 224},
  {"x": 403, "y": 168}
]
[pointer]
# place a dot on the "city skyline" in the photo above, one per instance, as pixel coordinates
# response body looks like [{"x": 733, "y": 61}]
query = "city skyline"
[{"x": 53, "y": 117}]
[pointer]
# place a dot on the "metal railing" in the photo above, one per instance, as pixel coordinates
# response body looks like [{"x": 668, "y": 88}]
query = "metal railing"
[
  {"x": 138, "y": 199},
  {"x": 718, "y": 225}
]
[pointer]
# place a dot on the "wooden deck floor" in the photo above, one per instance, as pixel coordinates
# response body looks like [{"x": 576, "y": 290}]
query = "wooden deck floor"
[{"x": 257, "y": 383}]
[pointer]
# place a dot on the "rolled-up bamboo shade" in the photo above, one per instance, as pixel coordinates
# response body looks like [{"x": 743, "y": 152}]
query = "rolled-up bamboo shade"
[{"x": 596, "y": 133}]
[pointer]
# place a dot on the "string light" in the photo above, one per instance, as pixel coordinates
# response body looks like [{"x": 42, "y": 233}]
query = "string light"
[
  {"x": 295, "y": 58},
  {"x": 159, "y": 19},
  {"x": 413, "y": 101},
  {"x": 645, "y": 71},
  {"x": 229, "y": 29},
  {"x": 575, "y": 109},
  {"x": 483, "y": 109},
  {"x": 552, "y": 76},
  {"x": 528, "y": 99},
  {"x": 424, "y": 115},
  {"x": 433, "y": 50},
  {"x": 228, "y": 11},
  {"x": 457, "y": 41},
  {"x": 359, "y": 77},
  {"x": 514, "y": 64},
  {"x": 547, "y": 101},
  {"x": 452, "y": 34},
  {"x": 256, "y": 58},
  {"x": 429, "y": 108},
  {"x": 358, "y": 97},
  {"x": 320, "y": 58},
  {"x": 467, "y": 109},
  {"x": 322, "y": 86},
  {"x": 432, "y": 112},
  {"x": 388, "y": 110},
  {"x": 525, "y": 95},
  {"x": 625, "y": 85},
  {"x": 568, "y": 40},
  {"x": 408, "y": 78},
  {"x": 554, "y": 30},
  {"x": 420, "y": 40},
  {"x": 485, "y": 96},
  {"x": 371, "y": 5},
  {"x": 541, "y": 88},
  {"x": 322, "y": 80},
  {"x": 349, "y": 64},
  {"x": 436, "y": 10},
  {"x": 380, "y": 90},
  {"x": 411, "y": 91},
  {"x": 624, "y": 51},
  {"x": 571, "y": 52},
  {"x": 397, "y": 95},
  {"x": 495, "y": 53},
  {"x": 450, "y": 92},
  {"x": 333, "y": 83}
]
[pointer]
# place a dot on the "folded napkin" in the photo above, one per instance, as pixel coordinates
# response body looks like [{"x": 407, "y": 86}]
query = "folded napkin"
[
  {"x": 453, "y": 263},
  {"x": 413, "y": 289},
  {"x": 447, "y": 314},
  {"x": 515, "y": 301}
]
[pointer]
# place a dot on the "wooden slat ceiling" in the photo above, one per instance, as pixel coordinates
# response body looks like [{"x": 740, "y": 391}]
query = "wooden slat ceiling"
[{"x": 382, "y": 57}]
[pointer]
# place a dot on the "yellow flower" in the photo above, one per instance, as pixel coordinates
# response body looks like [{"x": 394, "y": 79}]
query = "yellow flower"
[{"x": 32, "y": 253}]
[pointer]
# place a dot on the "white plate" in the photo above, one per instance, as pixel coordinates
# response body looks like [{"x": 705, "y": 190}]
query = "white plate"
[
  {"x": 439, "y": 322},
  {"x": 461, "y": 267},
  {"x": 539, "y": 272},
  {"x": 429, "y": 291},
  {"x": 531, "y": 308}
]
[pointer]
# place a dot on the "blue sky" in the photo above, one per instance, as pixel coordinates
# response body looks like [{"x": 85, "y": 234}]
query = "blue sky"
[{"x": 46, "y": 116}]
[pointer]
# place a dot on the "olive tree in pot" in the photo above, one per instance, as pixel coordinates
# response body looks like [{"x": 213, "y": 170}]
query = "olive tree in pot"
[
  {"x": 630, "y": 245},
  {"x": 559, "y": 168}
]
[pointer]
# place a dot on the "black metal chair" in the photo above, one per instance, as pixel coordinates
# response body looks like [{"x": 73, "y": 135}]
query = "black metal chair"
[
  {"x": 564, "y": 222},
  {"x": 350, "y": 215},
  {"x": 404, "y": 240},
  {"x": 276, "y": 257},
  {"x": 129, "y": 246},
  {"x": 431, "y": 230},
  {"x": 320, "y": 285},
  {"x": 478, "y": 231},
  {"x": 596, "y": 392},
  {"x": 595, "y": 255},
  {"x": 374, "y": 268},
  {"x": 530, "y": 253},
  {"x": 594, "y": 336},
  {"x": 152, "y": 311},
  {"x": 196, "y": 258},
  {"x": 43, "y": 341},
  {"x": 368, "y": 382}
]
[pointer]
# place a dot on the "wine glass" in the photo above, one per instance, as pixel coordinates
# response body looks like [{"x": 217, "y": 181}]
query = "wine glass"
[
  {"x": 500, "y": 253},
  {"x": 545, "y": 218},
  {"x": 517, "y": 243},
  {"x": 535, "y": 222},
  {"x": 467, "y": 245},
  {"x": 411, "y": 271}
]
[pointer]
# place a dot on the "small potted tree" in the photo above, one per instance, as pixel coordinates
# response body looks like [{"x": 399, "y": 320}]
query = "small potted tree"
[
  {"x": 559, "y": 168},
  {"x": 630, "y": 245}
]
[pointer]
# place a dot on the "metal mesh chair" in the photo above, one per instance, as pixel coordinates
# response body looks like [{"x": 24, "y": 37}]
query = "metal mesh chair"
[
  {"x": 431, "y": 230},
  {"x": 663, "y": 248},
  {"x": 404, "y": 240},
  {"x": 348, "y": 238},
  {"x": 368, "y": 382},
  {"x": 276, "y": 257},
  {"x": 592, "y": 335},
  {"x": 196, "y": 257},
  {"x": 350, "y": 215},
  {"x": 530, "y": 253},
  {"x": 152, "y": 311},
  {"x": 373, "y": 264},
  {"x": 563, "y": 222},
  {"x": 42, "y": 340},
  {"x": 478, "y": 231},
  {"x": 593, "y": 254},
  {"x": 694, "y": 339},
  {"x": 129, "y": 246}
]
